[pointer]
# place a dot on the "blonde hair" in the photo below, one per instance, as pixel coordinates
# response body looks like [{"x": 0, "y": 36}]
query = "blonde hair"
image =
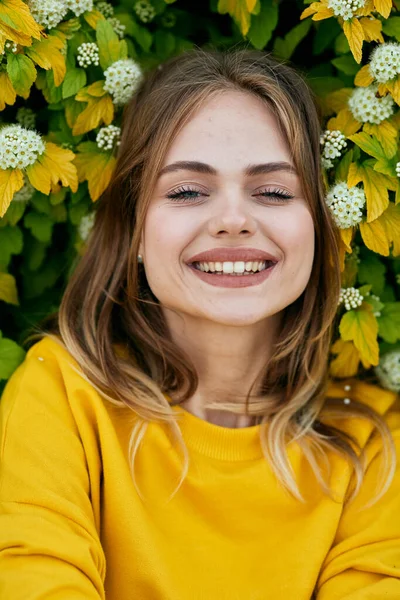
[{"x": 113, "y": 325}]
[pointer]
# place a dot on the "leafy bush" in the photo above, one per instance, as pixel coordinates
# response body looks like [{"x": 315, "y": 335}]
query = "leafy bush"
[{"x": 67, "y": 68}]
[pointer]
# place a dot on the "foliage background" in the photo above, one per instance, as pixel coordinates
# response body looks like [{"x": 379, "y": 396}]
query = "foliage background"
[{"x": 44, "y": 88}]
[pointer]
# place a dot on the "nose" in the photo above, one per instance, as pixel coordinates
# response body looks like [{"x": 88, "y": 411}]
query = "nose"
[{"x": 232, "y": 217}]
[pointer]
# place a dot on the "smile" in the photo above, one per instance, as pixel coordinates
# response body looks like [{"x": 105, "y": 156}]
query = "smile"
[{"x": 237, "y": 274}]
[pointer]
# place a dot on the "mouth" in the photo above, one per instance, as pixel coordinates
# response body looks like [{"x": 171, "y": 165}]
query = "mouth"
[
  {"x": 233, "y": 269},
  {"x": 228, "y": 274}
]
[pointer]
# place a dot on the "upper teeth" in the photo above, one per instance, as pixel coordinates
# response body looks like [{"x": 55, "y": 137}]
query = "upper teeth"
[{"x": 232, "y": 267}]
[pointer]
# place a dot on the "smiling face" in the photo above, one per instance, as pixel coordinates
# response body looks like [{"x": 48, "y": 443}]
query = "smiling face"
[{"x": 227, "y": 200}]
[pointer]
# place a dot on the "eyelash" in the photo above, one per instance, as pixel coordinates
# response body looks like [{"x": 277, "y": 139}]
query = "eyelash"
[{"x": 179, "y": 195}]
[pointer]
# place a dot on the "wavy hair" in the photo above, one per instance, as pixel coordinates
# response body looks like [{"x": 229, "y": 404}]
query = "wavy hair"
[{"x": 113, "y": 326}]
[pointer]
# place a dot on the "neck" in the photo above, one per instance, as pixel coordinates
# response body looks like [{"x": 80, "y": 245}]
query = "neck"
[{"x": 228, "y": 361}]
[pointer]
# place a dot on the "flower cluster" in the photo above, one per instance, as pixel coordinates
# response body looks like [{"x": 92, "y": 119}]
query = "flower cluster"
[
  {"x": 48, "y": 13},
  {"x": 88, "y": 54},
  {"x": 106, "y": 9},
  {"x": 398, "y": 169},
  {"x": 385, "y": 62},
  {"x": 26, "y": 117},
  {"x": 144, "y": 10},
  {"x": 122, "y": 78},
  {"x": 108, "y": 136},
  {"x": 12, "y": 46},
  {"x": 350, "y": 297},
  {"x": 346, "y": 204},
  {"x": 388, "y": 371},
  {"x": 19, "y": 147},
  {"x": 367, "y": 107},
  {"x": 25, "y": 193},
  {"x": 78, "y": 7},
  {"x": 85, "y": 226},
  {"x": 333, "y": 143},
  {"x": 118, "y": 27},
  {"x": 345, "y": 8}
]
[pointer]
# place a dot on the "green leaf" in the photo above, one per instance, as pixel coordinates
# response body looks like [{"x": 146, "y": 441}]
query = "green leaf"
[
  {"x": 286, "y": 46},
  {"x": 40, "y": 225},
  {"x": 346, "y": 63},
  {"x": 369, "y": 144},
  {"x": 11, "y": 355},
  {"x": 75, "y": 79},
  {"x": 164, "y": 42},
  {"x": 263, "y": 24},
  {"x": 21, "y": 72},
  {"x": 327, "y": 30},
  {"x": 111, "y": 48},
  {"x": 11, "y": 242},
  {"x": 361, "y": 327},
  {"x": 34, "y": 253},
  {"x": 371, "y": 270},
  {"x": 14, "y": 212},
  {"x": 389, "y": 322},
  {"x": 391, "y": 27}
]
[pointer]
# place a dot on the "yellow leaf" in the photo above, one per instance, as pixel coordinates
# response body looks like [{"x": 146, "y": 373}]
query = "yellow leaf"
[
  {"x": 345, "y": 122},
  {"x": 11, "y": 180},
  {"x": 365, "y": 10},
  {"x": 93, "y": 17},
  {"x": 98, "y": 110},
  {"x": 96, "y": 89},
  {"x": 390, "y": 221},
  {"x": 338, "y": 99},
  {"x": 354, "y": 175},
  {"x": 53, "y": 166},
  {"x": 372, "y": 30},
  {"x": 47, "y": 54},
  {"x": 8, "y": 289},
  {"x": 394, "y": 88},
  {"x": 239, "y": 11},
  {"x": 7, "y": 92},
  {"x": 355, "y": 36},
  {"x": 361, "y": 327},
  {"x": 347, "y": 360},
  {"x": 323, "y": 12},
  {"x": 310, "y": 10},
  {"x": 97, "y": 168},
  {"x": 8, "y": 33},
  {"x": 374, "y": 237},
  {"x": 16, "y": 15},
  {"x": 386, "y": 134},
  {"x": 383, "y": 7},
  {"x": 347, "y": 236},
  {"x": 364, "y": 77},
  {"x": 375, "y": 187}
]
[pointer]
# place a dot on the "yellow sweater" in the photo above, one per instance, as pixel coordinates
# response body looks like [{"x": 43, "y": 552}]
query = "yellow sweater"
[{"x": 73, "y": 527}]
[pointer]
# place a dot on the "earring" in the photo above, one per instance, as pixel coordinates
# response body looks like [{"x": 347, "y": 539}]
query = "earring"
[{"x": 140, "y": 258}]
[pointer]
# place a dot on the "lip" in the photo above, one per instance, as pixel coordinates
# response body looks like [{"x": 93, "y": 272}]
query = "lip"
[
  {"x": 232, "y": 255},
  {"x": 230, "y": 281}
]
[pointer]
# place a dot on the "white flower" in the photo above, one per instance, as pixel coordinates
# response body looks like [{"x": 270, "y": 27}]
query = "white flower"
[
  {"x": 19, "y": 147},
  {"x": 385, "y": 61},
  {"x": 106, "y": 9},
  {"x": 350, "y": 297},
  {"x": 122, "y": 78},
  {"x": 25, "y": 193},
  {"x": 367, "y": 108},
  {"x": 388, "y": 371},
  {"x": 12, "y": 46},
  {"x": 107, "y": 136},
  {"x": 26, "y": 117},
  {"x": 48, "y": 13},
  {"x": 398, "y": 169},
  {"x": 345, "y": 8},
  {"x": 333, "y": 143},
  {"x": 118, "y": 27},
  {"x": 85, "y": 226},
  {"x": 144, "y": 10},
  {"x": 346, "y": 204},
  {"x": 78, "y": 7},
  {"x": 88, "y": 54}
]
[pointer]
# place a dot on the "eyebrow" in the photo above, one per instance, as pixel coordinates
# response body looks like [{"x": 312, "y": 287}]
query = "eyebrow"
[{"x": 250, "y": 171}]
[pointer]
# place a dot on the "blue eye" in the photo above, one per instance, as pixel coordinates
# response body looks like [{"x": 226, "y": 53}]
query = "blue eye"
[{"x": 185, "y": 194}]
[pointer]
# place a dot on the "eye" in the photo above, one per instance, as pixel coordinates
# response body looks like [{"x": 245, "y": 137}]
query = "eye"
[
  {"x": 276, "y": 195},
  {"x": 185, "y": 194}
]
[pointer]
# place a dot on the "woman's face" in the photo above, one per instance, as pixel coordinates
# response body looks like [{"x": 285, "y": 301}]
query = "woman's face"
[{"x": 240, "y": 193}]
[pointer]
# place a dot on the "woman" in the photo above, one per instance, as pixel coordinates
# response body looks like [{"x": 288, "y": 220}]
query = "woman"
[{"x": 173, "y": 434}]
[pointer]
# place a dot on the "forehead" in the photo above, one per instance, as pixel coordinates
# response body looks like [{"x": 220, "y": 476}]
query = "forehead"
[{"x": 232, "y": 127}]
